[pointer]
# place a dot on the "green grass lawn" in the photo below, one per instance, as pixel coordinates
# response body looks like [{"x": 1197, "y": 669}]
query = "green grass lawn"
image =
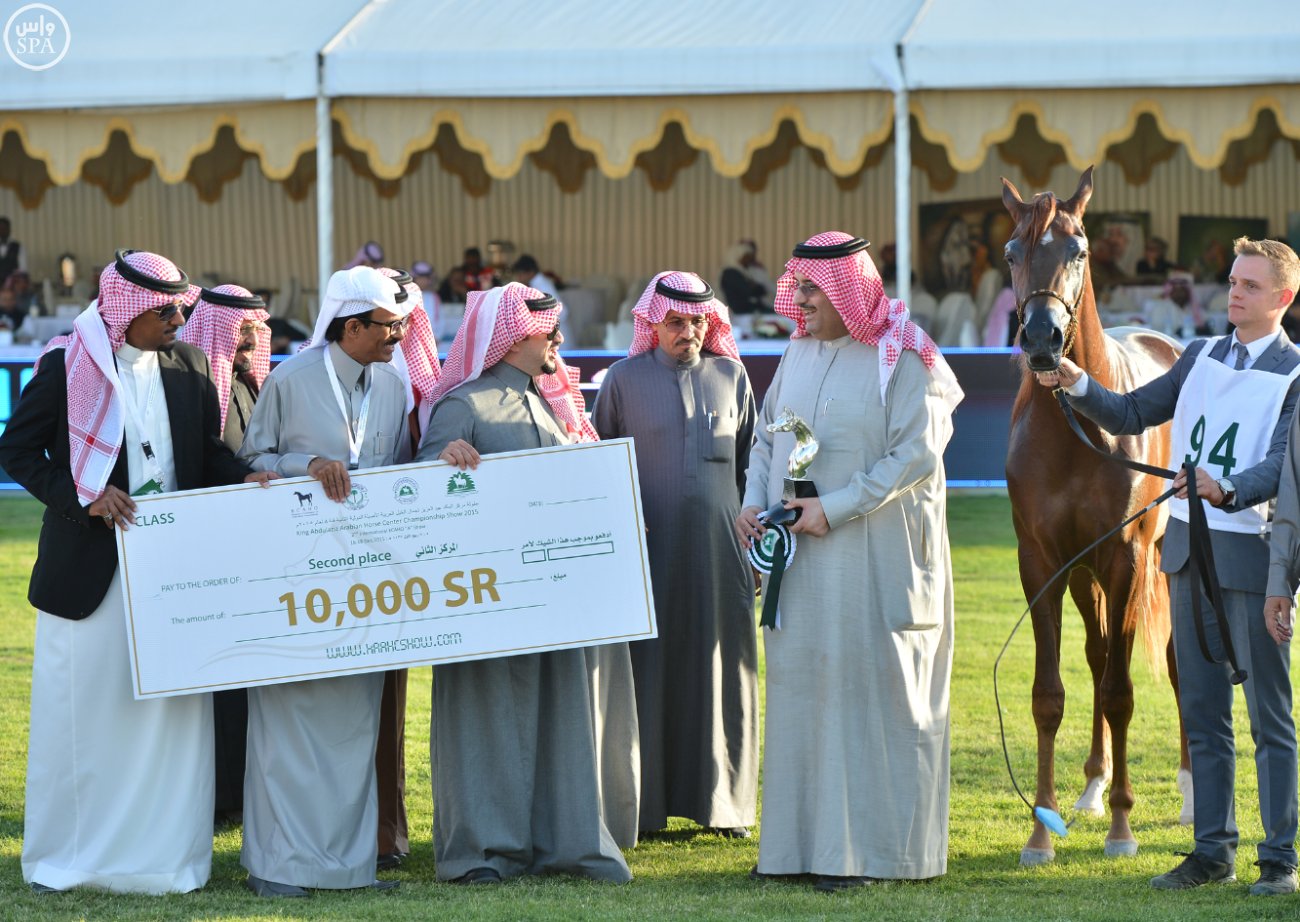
[{"x": 687, "y": 876}]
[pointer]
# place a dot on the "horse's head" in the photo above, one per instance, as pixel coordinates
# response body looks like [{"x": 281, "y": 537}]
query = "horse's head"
[
  {"x": 1048, "y": 256},
  {"x": 785, "y": 421}
]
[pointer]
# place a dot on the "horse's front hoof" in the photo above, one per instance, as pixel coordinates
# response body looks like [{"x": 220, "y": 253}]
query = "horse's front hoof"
[
  {"x": 1121, "y": 848},
  {"x": 1033, "y": 857}
]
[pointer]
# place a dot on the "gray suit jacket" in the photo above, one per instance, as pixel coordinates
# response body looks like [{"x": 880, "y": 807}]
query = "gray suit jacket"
[{"x": 1241, "y": 560}]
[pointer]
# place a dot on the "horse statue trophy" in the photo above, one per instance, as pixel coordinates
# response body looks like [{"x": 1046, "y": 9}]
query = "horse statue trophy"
[
  {"x": 1064, "y": 497},
  {"x": 797, "y": 485}
]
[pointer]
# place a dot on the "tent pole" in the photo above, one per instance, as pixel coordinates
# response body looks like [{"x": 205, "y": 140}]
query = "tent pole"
[
  {"x": 903, "y": 195},
  {"x": 324, "y": 186}
]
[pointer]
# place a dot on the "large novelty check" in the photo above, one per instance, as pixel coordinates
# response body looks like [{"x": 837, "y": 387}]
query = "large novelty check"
[{"x": 533, "y": 551}]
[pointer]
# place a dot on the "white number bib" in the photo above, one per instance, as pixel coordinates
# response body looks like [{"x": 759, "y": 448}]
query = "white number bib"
[{"x": 1224, "y": 422}]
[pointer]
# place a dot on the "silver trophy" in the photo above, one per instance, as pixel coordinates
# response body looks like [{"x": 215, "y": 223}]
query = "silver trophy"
[{"x": 797, "y": 485}]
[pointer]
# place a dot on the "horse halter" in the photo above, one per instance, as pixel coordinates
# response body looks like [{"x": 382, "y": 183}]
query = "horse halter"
[{"x": 1071, "y": 310}]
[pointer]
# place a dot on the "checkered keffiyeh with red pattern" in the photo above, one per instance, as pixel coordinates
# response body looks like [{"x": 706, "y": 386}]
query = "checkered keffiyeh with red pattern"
[
  {"x": 96, "y": 419},
  {"x": 855, "y": 290},
  {"x": 418, "y": 353},
  {"x": 652, "y": 307},
  {"x": 214, "y": 328},
  {"x": 494, "y": 321},
  {"x": 562, "y": 392}
]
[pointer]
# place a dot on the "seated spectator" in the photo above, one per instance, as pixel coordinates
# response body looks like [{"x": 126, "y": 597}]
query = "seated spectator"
[
  {"x": 21, "y": 284},
  {"x": 1213, "y": 264},
  {"x": 474, "y": 275},
  {"x": 13, "y": 255},
  {"x": 1177, "y": 312},
  {"x": 758, "y": 272},
  {"x": 740, "y": 291},
  {"x": 427, "y": 280},
  {"x": 501, "y": 253},
  {"x": 527, "y": 271},
  {"x": 454, "y": 289},
  {"x": 371, "y": 254},
  {"x": 1106, "y": 271},
  {"x": 1154, "y": 265},
  {"x": 11, "y": 317}
]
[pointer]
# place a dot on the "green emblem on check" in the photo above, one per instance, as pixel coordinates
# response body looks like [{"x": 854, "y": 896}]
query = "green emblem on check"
[{"x": 460, "y": 482}]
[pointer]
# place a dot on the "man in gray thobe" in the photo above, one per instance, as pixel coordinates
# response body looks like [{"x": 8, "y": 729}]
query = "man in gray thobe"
[
  {"x": 229, "y": 324},
  {"x": 517, "y": 774},
  {"x": 310, "y": 801},
  {"x": 683, "y": 396},
  {"x": 855, "y": 764}
]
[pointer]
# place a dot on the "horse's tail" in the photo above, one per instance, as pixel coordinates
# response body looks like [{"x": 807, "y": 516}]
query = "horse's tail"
[{"x": 1152, "y": 597}]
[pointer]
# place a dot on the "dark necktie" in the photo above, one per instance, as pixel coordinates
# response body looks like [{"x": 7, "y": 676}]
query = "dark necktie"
[{"x": 1242, "y": 354}]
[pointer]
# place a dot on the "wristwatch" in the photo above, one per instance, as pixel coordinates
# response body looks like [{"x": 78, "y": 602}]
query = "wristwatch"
[{"x": 1229, "y": 491}]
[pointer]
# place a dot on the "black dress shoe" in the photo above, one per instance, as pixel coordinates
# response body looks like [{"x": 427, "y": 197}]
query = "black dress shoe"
[
  {"x": 390, "y": 862},
  {"x": 41, "y": 888},
  {"x": 1194, "y": 871},
  {"x": 731, "y": 832},
  {"x": 385, "y": 884},
  {"x": 756, "y": 874},
  {"x": 479, "y": 876},
  {"x": 829, "y": 883},
  {"x": 271, "y": 888}
]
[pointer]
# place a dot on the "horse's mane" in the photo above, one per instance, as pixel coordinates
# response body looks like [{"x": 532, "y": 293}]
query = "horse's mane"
[{"x": 1036, "y": 219}]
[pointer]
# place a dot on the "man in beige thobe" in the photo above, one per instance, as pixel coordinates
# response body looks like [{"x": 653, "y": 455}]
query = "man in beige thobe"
[{"x": 855, "y": 768}]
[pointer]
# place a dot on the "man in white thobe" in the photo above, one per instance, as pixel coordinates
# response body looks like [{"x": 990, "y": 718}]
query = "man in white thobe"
[{"x": 855, "y": 770}]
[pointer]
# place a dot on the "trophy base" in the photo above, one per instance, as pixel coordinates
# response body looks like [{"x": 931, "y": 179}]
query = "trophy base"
[{"x": 793, "y": 489}]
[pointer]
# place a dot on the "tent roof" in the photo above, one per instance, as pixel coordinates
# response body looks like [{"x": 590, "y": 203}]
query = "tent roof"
[
  {"x": 508, "y": 48},
  {"x": 156, "y": 53},
  {"x": 959, "y": 44}
]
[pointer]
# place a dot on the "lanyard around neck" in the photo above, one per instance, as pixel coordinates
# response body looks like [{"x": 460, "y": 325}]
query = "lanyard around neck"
[
  {"x": 141, "y": 412},
  {"x": 355, "y": 439}
]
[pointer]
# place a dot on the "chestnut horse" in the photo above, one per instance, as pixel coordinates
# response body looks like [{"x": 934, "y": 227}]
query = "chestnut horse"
[{"x": 1064, "y": 497}]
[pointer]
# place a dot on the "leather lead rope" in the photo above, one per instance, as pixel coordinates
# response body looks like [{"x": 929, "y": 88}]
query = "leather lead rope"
[{"x": 1200, "y": 552}]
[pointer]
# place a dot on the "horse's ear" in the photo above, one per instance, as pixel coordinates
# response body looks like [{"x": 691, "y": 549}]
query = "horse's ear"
[
  {"x": 1079, "y": 201},
  {"x": 1011, "y": 199}
]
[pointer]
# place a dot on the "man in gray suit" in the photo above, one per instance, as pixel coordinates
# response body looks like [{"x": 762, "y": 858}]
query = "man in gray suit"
[{"x": 1231, "y": 401}]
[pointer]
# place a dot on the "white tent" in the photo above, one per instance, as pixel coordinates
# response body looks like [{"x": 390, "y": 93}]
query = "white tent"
[
  {"x": 502, "y": 74},
  {"x": 617, "y": 73},
  {"x": 170, "y": 75},
  {"x": 1203, "y": 69}
]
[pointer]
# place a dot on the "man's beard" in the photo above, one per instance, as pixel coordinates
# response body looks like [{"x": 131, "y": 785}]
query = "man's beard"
[
  {"x": 242, "y": 362},
  {"x": 549, "y": 366}
]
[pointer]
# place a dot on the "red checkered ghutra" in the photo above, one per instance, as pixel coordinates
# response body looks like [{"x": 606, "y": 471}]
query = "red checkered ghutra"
[
  {"x": 417, "y": 356},
  {"x": 95, "y": 415},
  {"x": 652, "y": 307},
  {"x": 214, "y": 328},
  {"x": 494, "y": 321},
  {"x": 855, "y": 290}
]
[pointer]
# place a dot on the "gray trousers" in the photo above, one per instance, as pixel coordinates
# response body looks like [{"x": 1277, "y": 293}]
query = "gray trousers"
[{"x": 1206, "y": 705}]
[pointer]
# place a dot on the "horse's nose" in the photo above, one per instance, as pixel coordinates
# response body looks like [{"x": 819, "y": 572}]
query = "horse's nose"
[{"x": 1041, "y": 334}]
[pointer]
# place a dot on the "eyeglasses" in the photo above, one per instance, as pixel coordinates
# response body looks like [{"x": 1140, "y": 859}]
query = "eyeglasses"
[
  {"x": 682, "y": 324},
  {"x": 167, "y": 311},
  {"x": 554, "y": 334},
  {"x": 807, "y": 289},
  {"x": 394, "y": 326}
]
